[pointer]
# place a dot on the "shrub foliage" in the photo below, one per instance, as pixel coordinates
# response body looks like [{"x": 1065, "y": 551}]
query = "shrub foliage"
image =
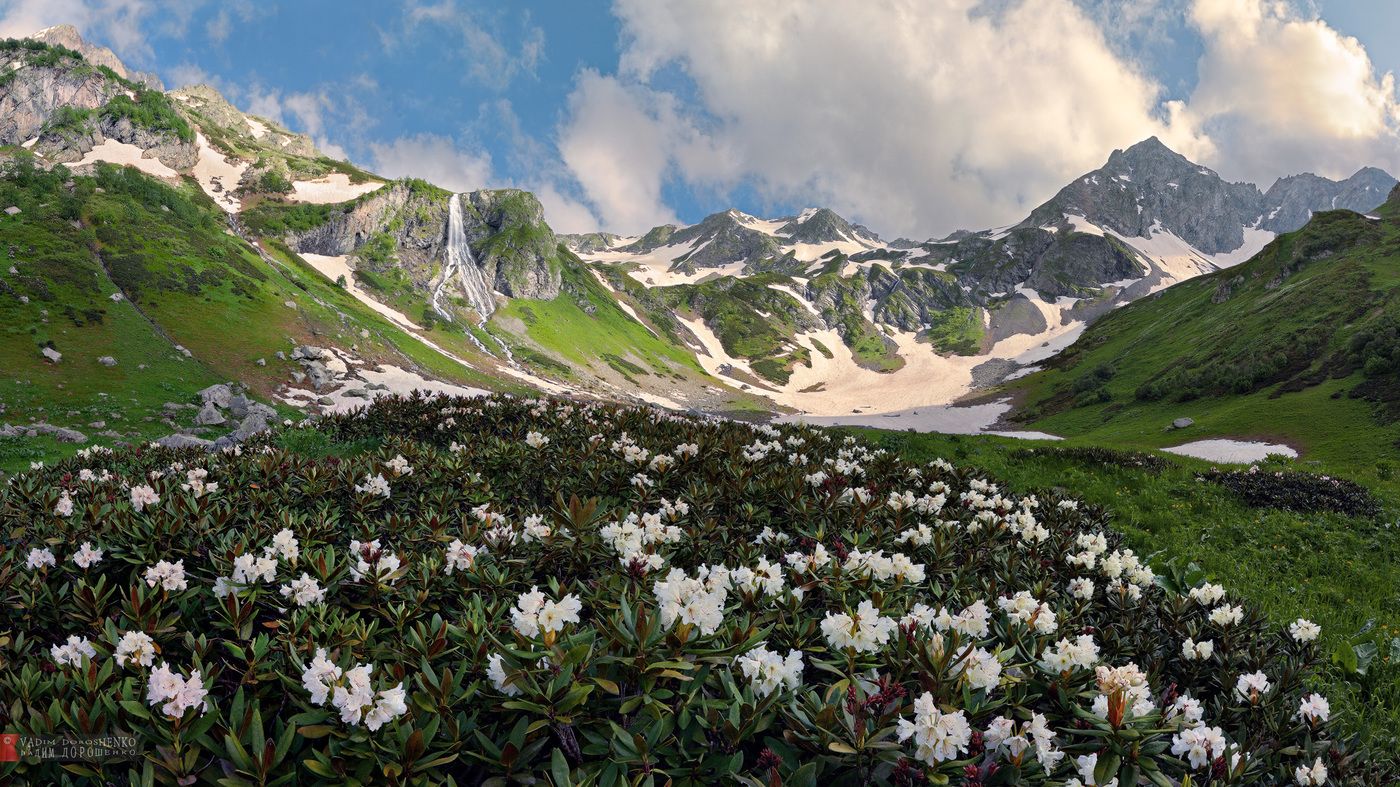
[{"x": 512, "y": 591}]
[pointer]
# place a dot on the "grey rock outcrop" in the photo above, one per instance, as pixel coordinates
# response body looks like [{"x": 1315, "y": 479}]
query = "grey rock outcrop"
[
  {"x": 1292, "y": 200},
  {"x": 209, "y": 415},
  {"x": 218, "y": 395},
  {"x": 69, "y": 37},
  {"x": 34, "y": 93},
  {"x": 516, "y": 250},
  {"x": 183, "y": 441}
]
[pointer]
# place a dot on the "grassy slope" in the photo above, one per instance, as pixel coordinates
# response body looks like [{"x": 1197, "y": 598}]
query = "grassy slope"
[
  {"x": 561, "y": 333},
  {"x": 1338, "y": 571},
  {"x": 1270, "y": 361},
  {"x": 185, "y": 280}
]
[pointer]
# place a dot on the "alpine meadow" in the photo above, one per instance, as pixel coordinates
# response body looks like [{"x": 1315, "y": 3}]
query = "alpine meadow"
[{"x": 612, "y": 393}]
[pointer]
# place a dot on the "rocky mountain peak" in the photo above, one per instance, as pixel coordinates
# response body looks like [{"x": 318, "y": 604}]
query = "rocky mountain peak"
[
  {"x": 1148, "y": 189},
  {"x": 1292, "y": 200},
  {"x": 823, "y": 225},
  {"x": 67, "y": 36}
]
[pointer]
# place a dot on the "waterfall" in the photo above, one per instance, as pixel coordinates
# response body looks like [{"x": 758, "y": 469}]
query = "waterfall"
[{"x": 459, "y": 264}]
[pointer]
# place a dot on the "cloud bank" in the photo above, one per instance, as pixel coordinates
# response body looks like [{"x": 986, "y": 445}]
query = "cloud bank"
[{"x": 918, "y": 117}]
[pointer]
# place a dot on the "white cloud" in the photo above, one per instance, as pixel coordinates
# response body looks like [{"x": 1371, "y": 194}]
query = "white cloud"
[
  {"x": 921, "y": 116},
  {"x": 433, "y": 158},
  {"x": 619, "y": 148},
  {"x": 912, "y": 116},
  {"x": 1281, "y": 93}
]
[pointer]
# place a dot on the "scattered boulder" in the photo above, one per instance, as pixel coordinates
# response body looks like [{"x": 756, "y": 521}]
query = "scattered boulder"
[
  {"x": 218, "y": 395},
  {"x": 325, "y": 401},
  {"x": 183, "y": 441},
  {"x": 298, "y": 378},
  {"x": 209, "y": 415},
  {"x": 117, "y": 297},
  {"x": 319, "y": 374},
  {"x": 107, "y": 360},
  {"x": 281, "y": 356},
  {"x": 53, "y": 355},
  {"x": 238, "y": 406},
  {"x": 357, "y": 393},
  {"x": 261, "y": 362},
  {"x": 12, "y": 210},
  {"x": 1182, "y": 423},
  {"x": 253, "y": 424},
  {"x": 308, "y": 353}
]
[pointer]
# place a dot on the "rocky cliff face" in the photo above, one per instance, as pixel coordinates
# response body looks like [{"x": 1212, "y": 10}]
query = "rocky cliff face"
[
  {"x": 68, "y": 36},
  {"x": 37, "y": 84},
  {"x": 209, "y": 107},
  {"x": 1292, "y": 200},
  {"x": 169, "y": 149},
  {"x": 505, "y": 228},
  {"x": 1150, "y": 186}
]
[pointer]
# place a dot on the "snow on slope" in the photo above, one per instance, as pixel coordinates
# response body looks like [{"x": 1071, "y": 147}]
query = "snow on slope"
[{"x": 114, "y": 152}]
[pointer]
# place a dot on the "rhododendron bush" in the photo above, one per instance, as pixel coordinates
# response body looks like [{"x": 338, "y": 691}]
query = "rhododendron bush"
[{"x": 538, "y": 591}]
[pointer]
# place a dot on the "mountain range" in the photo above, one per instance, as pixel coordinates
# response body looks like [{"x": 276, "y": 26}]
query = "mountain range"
[{"x": 163, "y": 243}]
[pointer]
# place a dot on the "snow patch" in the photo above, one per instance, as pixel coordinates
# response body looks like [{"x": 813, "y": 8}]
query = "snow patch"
[
  {"x": 1231, "y": 451},
  {"x": 333, "y": 188},
  {"x": 126, "y": 154}
]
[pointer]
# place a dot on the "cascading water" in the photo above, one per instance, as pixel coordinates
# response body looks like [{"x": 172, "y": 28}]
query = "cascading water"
[{"x": 459, "y": 264}]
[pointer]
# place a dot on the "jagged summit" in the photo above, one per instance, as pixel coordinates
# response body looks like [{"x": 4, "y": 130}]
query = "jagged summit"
[
  {"x": 67, "y": 36},
  {"x": 1292, "y": 200}
]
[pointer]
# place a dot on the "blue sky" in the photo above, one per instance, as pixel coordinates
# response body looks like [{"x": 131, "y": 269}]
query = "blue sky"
[{"x": 913, "y": 116}]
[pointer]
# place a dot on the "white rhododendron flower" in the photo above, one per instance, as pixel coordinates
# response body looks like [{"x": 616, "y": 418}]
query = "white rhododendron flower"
[
  {"x": 938, "y": 736},
  {"x": 197, "y": 484},
  {"x": 534, "y": 613},
  {"x": 352, "y": 693},
  {"x": 460, "y": 557},
  {"x": 866, "y": 631},
  {"x": 372, "y": 561},
  {"x": 1226, "y": 615},
  {"x": 1311, "y": 776},
  {"x": 1197, "y": 651},
  {"x": 170, "y": 576},
  {"x": 72, "y": 652},
  {"x": 769, "y": 671},
  {"x": 691, "y": 601},
  {"x": 64, "y": 507},
  {"x": 142, "y": 496},
  {"x": 1004, "y": 737},
  {"x": 374, "y": 485},
  {"x": 87, "y": 555},
  {"x": 1207, "y": 595},
  {"x": 1304, "y": 630},
  {"x": 1065, "y": 655},
  {"x": 399, "y": 466},
  {"x": 982, "y": 670},
  {"x": 304, "y": 591},
  {"x": 135, "y": 649},
  {"x": 536, "y": 440},
  {"x": 1314, "y": 709},
  {"x": 178, "y": 693},
  {"x": 1200, "y": 745},
  {"x": 1252, "y": 687},
  {"x": 39, "y": 558},
  {"x": 498, "y": 676},
  {"x": 1081, "y": 588},
  {"x": 285, "y": 546}
]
